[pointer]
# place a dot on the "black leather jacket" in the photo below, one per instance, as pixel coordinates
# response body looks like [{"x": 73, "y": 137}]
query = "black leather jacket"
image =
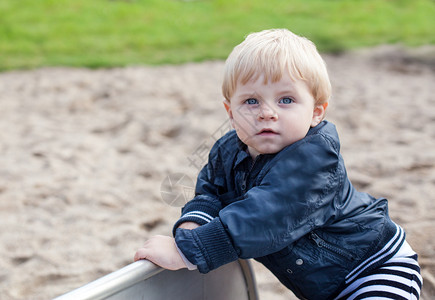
[{"x": 294, "y": 211}]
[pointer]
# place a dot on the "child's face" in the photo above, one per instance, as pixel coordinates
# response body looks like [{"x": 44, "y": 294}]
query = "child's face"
[{"x": 268, "y": 117}]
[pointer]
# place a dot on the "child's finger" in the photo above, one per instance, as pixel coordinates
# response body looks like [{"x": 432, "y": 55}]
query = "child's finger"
[{"x": 140, "y": 254}]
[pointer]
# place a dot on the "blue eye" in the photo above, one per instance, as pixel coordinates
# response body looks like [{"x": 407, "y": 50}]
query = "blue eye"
[
  {"x": 286, "y": 100},
  {"x": 251, "y": 101}
]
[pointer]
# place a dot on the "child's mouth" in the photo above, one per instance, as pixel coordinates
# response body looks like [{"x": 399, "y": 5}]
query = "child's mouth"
[{"x": 266, "y": 132}]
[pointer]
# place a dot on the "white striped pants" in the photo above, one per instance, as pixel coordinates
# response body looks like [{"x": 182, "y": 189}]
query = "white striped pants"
[{"x": 397, "y": 278}]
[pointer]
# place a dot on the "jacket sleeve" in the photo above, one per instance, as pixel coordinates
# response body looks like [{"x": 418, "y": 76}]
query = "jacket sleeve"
[
  {"x": 295, "y": 196},
  {"x": 205, "y": 206}
]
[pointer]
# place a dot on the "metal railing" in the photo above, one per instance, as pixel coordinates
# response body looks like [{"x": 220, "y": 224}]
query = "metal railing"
[{"x": 144, "y": 280}]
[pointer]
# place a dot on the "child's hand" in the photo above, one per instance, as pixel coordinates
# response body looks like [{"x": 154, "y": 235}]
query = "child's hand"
[{"x": 162, "y": 251}]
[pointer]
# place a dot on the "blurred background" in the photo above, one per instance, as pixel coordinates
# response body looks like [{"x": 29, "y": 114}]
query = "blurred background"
[
  {"x": 108, "y": 33},
  {"x": 102, "y": 102}
]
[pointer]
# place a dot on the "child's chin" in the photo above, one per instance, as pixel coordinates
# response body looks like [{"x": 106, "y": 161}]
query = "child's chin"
[
  {"x": 270, "y": 151},
  {"x": 263, "y": 151}
]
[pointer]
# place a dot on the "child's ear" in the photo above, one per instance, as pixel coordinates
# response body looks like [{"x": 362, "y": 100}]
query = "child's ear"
[
  {"x": 227, "y": 105},
  {"x": 318, "y": 114}
]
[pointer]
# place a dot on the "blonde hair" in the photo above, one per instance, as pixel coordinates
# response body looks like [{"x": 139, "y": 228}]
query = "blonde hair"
[{"x": 272, "y": 52}]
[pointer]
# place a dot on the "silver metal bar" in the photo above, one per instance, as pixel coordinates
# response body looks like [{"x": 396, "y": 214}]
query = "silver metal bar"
[
  {"x": 248, "y": 273},
  {"x": 144, "y": 280},
  {"x": 114, "y": 282}
]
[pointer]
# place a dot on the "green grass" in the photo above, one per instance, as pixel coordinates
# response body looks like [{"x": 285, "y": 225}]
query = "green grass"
[{"x": 108, "y": 33}]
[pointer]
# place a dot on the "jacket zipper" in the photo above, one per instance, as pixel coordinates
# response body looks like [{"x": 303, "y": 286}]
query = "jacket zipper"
[
  {"x": 246, "y": 176},
  {"x": 324, "y": 244}
]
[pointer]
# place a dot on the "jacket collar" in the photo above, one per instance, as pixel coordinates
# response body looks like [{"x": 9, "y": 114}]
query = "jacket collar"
[
  {"x": 242, "y": 153},
  {"x": 242, "y": 150}
]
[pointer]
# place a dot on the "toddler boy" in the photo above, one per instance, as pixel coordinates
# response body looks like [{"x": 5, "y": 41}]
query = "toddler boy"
[{"x": 275, "y": 189}]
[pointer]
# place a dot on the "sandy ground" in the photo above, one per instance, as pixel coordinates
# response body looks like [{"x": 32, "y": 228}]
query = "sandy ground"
[{"x": 84, "y": 154}]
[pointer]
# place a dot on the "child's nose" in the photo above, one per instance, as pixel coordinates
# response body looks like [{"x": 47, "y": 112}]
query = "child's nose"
[{"x": 267, "y": 113}]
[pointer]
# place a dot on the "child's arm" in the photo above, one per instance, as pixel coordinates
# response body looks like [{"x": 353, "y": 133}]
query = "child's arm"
[{"x": 206, "y": 205}]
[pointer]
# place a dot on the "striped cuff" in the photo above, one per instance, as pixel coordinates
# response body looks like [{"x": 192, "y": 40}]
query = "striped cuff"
[
  {"x": 197, "y": 214},
  {"x": 197, "y": 211}
]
